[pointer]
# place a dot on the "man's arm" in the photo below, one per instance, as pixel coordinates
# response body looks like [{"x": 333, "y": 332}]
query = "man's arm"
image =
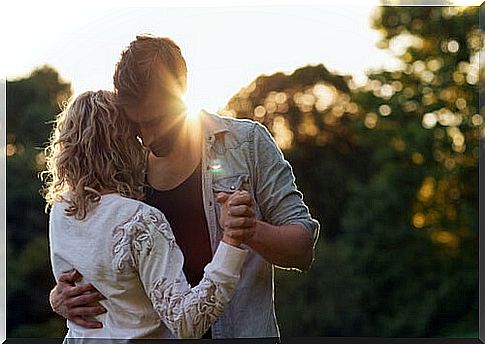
[
  {"x": 287, "y": 246},
  {"x": 287, "y": 234}
]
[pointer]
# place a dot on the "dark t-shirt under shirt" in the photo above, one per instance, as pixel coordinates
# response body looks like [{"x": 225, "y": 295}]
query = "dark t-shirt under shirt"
[{"x": 183, "y": 207}]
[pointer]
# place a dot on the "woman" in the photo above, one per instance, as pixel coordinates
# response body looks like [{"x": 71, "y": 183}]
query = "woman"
[{"x": 123, "y": 247}]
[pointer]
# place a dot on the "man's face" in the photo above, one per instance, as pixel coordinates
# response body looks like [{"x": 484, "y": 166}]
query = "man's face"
[{"x": 160, "y": 118}]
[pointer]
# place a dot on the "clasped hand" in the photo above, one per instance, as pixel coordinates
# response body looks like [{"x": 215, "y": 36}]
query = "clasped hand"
[{"x": 237, "y": 217}]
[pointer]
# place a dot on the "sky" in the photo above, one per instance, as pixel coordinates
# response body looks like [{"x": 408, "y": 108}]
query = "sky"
[{"x": 225, "y": 47}]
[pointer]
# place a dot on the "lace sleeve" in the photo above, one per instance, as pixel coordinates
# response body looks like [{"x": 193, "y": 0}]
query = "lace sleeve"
[{"x": 187, "y": 312}]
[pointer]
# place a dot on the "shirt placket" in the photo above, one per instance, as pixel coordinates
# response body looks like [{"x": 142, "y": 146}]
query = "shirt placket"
[
  {"x": 207, "y": 195},
  {"x": 209, "y": 208}
]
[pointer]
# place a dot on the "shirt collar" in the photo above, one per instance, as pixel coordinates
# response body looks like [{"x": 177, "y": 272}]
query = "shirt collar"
[{"x": 212, "y": 125}]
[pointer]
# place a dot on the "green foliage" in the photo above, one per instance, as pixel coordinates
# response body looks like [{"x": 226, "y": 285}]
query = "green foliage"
[
  {"x": 32, "y": 104},
  {"x": 323, "y": 301},
  {"x": 428, "y": 196}
]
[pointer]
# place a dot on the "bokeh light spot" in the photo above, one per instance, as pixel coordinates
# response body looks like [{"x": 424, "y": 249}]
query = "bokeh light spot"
[
  {"x": 419, "y": 220},
  {"x": 429, "y": 120},
  {"x": 370, "y": 120},
  {"x": 385, "y": 110}
]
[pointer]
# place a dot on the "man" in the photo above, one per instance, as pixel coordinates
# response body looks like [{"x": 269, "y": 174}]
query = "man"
[{"x": 193, "y": 166}]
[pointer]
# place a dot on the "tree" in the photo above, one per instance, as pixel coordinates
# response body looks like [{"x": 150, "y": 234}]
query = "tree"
[
  {"x": 422, "y": 124},
  {"x": 32, "y": 104}
]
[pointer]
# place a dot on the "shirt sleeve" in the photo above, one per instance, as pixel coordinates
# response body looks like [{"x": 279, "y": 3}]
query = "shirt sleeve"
[
  {"x": 276, "y": 193},
  {"x": 187, "y": 312}
]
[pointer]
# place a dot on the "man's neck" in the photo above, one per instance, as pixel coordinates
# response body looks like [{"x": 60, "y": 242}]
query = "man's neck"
[
  {"x": 169, "y": 171},
  {"x": 187, "y": 146}
]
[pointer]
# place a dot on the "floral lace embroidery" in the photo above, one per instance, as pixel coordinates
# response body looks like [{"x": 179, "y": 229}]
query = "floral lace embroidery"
[
  {"x": 135, "y": 236},
  {"x": 187, "y": 313}
]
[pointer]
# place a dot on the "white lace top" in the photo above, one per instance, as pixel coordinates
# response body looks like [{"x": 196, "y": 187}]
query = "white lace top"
[{"x": 126, "y": 249}]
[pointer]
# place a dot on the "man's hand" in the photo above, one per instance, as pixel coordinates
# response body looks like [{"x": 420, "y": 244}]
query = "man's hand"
[
  {"x": 237, "y": 217},
  {"x": 75, "y": 302}
]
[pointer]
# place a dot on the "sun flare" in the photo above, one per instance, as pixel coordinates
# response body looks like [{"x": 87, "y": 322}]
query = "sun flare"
[{"x": 192, "y": 105}]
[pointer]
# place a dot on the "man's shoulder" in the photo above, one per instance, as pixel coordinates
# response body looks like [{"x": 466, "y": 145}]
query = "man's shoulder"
[{"x": 215, "y": 122}]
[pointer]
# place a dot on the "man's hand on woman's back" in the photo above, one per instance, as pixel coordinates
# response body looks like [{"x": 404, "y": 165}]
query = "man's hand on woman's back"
[{"x": 76, "y": 302}]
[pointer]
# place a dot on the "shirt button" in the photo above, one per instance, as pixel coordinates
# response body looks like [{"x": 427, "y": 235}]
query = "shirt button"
[{"x": 233, "y": 187}]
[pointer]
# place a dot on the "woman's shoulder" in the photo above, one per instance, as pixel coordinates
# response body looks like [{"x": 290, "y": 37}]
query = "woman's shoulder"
[
  {"x": 59, "y": 206},
  {"x": 144, "y": 220},
  {"x": 138, "y": 207},
  {"x": 112, "y": 209}
]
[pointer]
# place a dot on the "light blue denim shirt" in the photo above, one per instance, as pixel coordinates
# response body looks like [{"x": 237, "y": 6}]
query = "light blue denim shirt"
[{"x": 242, "y": 154}]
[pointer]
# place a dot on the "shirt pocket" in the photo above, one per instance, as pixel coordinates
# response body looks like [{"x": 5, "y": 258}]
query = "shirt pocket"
[{"x": 231, "y": 184}]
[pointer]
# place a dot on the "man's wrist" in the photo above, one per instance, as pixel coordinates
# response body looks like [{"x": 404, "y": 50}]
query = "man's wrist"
[{"x": 255, "y": 238}]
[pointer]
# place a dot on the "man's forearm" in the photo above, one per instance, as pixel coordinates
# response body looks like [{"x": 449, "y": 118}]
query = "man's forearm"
[{"x": 287, "y": 246}]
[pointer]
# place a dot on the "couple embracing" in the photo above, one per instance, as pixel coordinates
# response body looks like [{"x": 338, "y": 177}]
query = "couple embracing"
[{"x": 164, "y": 225}]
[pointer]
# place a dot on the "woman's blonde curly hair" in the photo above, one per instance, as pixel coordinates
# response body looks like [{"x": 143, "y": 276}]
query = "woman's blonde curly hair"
[{"x": 93, "y": 149}]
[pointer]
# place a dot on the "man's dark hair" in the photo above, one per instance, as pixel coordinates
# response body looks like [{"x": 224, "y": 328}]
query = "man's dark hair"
[{"x": 146, "y": 60}]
